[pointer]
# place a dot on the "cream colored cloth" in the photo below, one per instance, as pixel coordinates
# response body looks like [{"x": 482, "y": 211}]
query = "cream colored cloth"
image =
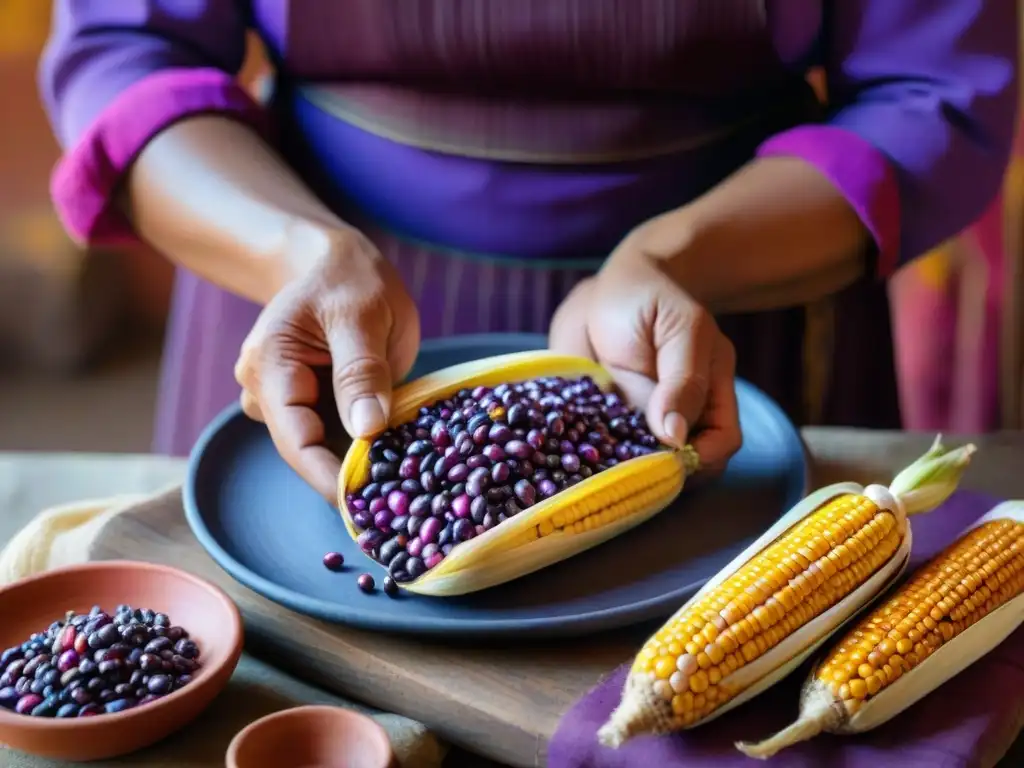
[
  {"x": 59, "y": 536},
  {"x": 63, "y": 535}
]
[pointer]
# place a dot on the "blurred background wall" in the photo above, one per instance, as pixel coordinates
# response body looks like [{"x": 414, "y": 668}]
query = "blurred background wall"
[{"x": 80, "y": 330}]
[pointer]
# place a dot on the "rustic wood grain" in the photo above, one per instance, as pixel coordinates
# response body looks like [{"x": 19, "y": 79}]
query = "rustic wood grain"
[{"x": 500, "y": 701}]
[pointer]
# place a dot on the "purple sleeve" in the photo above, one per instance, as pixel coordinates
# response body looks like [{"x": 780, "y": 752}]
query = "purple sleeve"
[
  {"x": 923, "y": 96},
  {"x": 117, "y": 72}
]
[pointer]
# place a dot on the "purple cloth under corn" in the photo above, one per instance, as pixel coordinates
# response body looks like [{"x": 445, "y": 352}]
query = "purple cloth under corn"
[{"x": 968, "y": 722}]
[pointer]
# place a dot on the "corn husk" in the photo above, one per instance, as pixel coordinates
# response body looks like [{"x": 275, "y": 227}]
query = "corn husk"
[
  {"x": 509, "y": 551},
  {"x": 821, "y": 712},
  {"x": 919, "y": 488}
]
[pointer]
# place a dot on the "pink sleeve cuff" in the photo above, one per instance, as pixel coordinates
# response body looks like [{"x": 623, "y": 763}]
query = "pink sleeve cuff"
[
  {"x": 861, "y": 173},
  {"x": 85, "y": 179}
]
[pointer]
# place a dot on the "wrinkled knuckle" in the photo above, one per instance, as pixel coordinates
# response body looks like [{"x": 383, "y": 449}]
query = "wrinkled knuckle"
[{"x": 362, "y": 374}]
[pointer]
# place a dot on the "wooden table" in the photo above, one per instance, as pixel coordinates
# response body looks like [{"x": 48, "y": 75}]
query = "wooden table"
[{"x": 500, "y": 701}]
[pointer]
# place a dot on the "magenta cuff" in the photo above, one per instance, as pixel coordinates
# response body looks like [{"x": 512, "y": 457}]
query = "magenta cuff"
[
  {"x": 86, "y": 177},
  {"x": 861, "y": 173}
]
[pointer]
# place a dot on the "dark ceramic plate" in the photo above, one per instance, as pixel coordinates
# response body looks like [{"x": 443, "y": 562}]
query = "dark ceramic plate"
[{"x": 269, "y": 530}]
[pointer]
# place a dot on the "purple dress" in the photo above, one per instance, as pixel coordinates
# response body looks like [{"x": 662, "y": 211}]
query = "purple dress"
[{"x": 497, "y": 151}]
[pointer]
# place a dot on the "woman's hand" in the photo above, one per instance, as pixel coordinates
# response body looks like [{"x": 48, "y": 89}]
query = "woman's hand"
[
  {"x": 349, "y": 312},
  {"x": 663, "y": 349}
]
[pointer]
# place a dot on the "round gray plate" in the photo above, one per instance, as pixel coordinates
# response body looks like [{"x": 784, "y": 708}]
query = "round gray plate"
[{"x": 269, "y": 530}]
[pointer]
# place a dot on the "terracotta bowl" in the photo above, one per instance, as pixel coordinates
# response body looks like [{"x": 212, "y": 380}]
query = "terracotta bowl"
[
  {"x": 312, "y": 737},
  {"x": 213, "y": 621}
]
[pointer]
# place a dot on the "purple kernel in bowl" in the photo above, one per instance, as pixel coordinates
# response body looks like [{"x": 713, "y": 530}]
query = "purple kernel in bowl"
[
  {"x": 8, "y": 697},
  {"x": 160, "y": 684},
  {"x": 27, "y": 703},
  {"x": 67, "y": 660},
  {"x": 365, "y": 582},
  {"x": 186, "y": 648},
  {"x": 117, "y": 705}
]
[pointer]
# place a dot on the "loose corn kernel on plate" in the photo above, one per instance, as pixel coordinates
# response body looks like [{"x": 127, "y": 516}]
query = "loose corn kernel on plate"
[{"x": 267, "y": 529}]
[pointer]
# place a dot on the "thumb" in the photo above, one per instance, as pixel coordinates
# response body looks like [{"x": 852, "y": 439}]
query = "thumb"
[
  {"x": 683, "y": 359},
  {"x": 361, "y": 378}
]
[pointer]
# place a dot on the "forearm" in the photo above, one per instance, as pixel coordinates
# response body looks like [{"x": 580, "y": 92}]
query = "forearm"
[
  {"x": 777, "y": 233},
  {"x": 214, "y": 198}
]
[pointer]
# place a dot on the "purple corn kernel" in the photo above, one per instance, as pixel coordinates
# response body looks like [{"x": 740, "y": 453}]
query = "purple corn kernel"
[
  {"x": 547, "y": 488},
  {"x": 383, "y": 519},
  {"x": 526, "y": 493},
  {"x": 369, "y": 540},
  {"x": 409, "y": 468},
  {"x": 478, "y": 461},
  {"x": 519, "y": 449},
  {"x": 432, "y": 561},
  {"x": 494, "y": 452},
  {"x": 463, "y": 530},
  {"x": 477, "y": 509},
  {"x": 500, "y": 473},
  {"x": 570, "y": 462},
  {"x": 461, "y": 506},
  {"x": 333, "y": 561},
  {"x": 439, "y": 435},
  {"x": 458, "y": 473},
  {"x": 430, "y": 530},
  {"x": 398, "y": 502},
  {"x": 415, "y": 546},
  {"x": 420, "y": 506}
]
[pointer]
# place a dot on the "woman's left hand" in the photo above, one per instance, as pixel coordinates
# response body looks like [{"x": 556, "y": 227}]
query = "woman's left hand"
[{"x": 663, "y": 349}]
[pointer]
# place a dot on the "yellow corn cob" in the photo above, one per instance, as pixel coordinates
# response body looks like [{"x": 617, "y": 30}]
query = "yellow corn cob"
[
  {"x": 771, "y": 607},
  {"x": 600, "y": 507},
  {"x": 948, "y": 614}
]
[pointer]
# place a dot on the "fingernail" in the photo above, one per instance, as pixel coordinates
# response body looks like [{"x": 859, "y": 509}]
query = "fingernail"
[
  {"x": 676, "y": 429},
  {"x": 366, "y": 417}
]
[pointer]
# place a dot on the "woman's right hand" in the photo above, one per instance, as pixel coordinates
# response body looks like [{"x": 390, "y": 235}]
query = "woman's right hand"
[{"x": 347, "y": 310}]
